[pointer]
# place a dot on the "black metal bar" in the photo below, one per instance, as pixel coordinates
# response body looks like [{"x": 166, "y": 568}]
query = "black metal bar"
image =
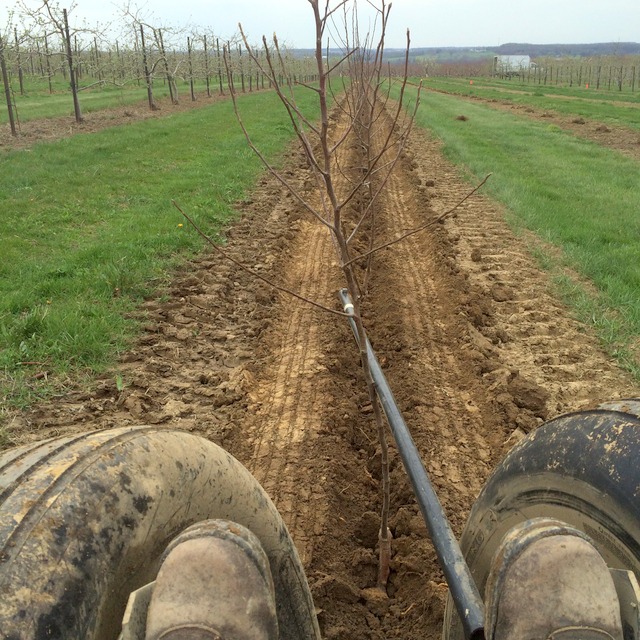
[{"x": 463, "y": 589}]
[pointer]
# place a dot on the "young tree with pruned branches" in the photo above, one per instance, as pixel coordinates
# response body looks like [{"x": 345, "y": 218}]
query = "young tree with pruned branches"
[
  {"x": 378, "y": 129},
  {"x": 363, "y": 104}
]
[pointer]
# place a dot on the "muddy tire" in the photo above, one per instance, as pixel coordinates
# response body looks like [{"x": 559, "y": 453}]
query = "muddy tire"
[
  {"x": 85, "y": 519},
  {"x": 580, "y": 468}
]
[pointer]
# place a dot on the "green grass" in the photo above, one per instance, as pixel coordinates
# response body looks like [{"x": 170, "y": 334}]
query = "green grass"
[
  {"x": 531, "y": 88},
  {"x": 573, "y": 193},
  {"x": 89, "y": 230},
  {"x": 39, "y": 103},
  {"x": 612, "y": 107}
]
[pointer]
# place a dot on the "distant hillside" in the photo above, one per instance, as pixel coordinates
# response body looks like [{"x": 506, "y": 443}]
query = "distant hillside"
[
  {"x": 453, "y": 54},
  {"x": 581, "y": 50}
]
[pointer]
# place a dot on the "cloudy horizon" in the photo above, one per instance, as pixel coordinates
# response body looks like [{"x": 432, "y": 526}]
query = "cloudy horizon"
[{"x": 433, "y": 23}]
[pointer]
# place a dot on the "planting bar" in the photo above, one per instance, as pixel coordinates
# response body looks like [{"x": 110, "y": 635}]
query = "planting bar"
[{"x": 462, "y": 587}]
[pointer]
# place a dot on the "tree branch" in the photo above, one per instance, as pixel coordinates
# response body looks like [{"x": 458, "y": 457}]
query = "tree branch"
[
  {"x": 251, "y": 272},
  {"x": 431, "y": 223}
]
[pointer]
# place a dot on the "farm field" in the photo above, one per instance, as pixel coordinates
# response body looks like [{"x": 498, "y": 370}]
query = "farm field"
[
  {"x": 38, "y": 103},
  {"x": 577, "y": 195},
  {"x": 612, "y": 107},
  {"x": 468, "y": 327}
]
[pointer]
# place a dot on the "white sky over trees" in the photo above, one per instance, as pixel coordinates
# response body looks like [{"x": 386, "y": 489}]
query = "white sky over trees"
[{"x": 433, "y": 23}]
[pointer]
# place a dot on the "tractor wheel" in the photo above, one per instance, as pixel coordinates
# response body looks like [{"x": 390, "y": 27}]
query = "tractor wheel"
[
  {"x": 85, "y": 519},
  {"x": 580, "y": 468}
]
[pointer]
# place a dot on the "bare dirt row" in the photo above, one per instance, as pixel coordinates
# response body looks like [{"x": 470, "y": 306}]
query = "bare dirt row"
[{"x": 475, "y": 346}]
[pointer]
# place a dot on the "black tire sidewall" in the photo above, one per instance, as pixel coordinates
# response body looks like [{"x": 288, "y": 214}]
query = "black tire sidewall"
[{"x": 582, "y": 469}]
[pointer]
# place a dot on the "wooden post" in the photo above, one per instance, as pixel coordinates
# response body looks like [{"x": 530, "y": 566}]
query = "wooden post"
[
  {"x": 190, "y": 64},
  {"x": 172, "y": 90},
  {"x": 97, "y": 57},
  {"x": 120, "y": 59},
  {"x": 77, "y": 65},
  {"x": 219, "y": 67},
  {"x": 241, "y": 68},
  {"x": 19, "y": 61},
  {"x": 40, "y": 63},
  {"x": 136, "y": 58},
  {"x": 48, "y": 61}
]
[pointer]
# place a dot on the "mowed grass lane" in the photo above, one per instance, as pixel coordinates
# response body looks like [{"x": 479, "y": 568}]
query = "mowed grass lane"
[
  {"x": 89, "y": 228},
  {"x": 38, "y": 103},
  {"x": 573, "y": 193},
  {"x": 621, "y": 109}
]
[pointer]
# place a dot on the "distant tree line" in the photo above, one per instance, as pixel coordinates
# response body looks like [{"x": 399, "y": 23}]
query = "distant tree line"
[{"x": 570, "y": 50}]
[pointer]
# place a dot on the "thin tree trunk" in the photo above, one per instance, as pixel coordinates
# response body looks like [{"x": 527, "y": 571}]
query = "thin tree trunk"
[
  {"x": 97, "y": 60},
  {"x": 7, "y": 89},
  {"x": 172, "y": 93},
  {"x": 241, "y": 68},
  {"x": 48, "y": 60},
  {"x": 147, "y": 73},
  {"x": 206, "y": 67},
  {"x": 70, "y": 62},
  {"x": 19, "y": 62},
  {"x": 219, "y": 67},
  {"x": 190, "y": 63}
]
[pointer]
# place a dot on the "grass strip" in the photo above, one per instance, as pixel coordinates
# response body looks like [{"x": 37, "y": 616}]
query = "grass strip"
[
  {"x": 610, "y": 107},
  {"x": 516, "y": 86},
  {"x": 89, "y": 229},
  {"x": 573, "y": 193},
  {"x": 38, "y": 103}
]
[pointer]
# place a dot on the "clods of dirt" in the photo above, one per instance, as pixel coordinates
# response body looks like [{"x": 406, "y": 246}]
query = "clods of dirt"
[{"x": 473, "y": 343}]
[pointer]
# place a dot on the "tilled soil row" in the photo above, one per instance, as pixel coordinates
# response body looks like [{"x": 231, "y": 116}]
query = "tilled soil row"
[{"x": 475, "y": 347}]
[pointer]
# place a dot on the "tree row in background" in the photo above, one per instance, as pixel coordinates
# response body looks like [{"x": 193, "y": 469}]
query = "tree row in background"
[
  {"x": 45, "y": 50},
  {"x": 613, "y": 73}
]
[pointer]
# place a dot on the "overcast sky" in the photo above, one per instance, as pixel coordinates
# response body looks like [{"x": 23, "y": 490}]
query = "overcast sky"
[{"x": 433, "y": 23}]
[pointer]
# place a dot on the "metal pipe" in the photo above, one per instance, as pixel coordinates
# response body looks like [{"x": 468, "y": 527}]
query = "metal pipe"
[{"x": 464, "y": 591}]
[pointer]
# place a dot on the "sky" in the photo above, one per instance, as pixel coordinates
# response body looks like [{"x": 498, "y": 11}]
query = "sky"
[{"x": 433, "y": 23}]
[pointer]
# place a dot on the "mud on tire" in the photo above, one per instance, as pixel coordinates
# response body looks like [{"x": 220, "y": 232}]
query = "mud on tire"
[
  {"x": 85, "y": 519},
  {"x": 581, "y": 468}
]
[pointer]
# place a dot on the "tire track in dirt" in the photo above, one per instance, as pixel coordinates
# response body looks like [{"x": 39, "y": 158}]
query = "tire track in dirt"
[
  {"x": 430, "y": 324},
  {"x": 529, "y": 330},
  {"x": 289, "y": 400}
]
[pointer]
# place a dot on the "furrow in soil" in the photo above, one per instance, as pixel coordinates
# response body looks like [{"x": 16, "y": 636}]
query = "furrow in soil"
[{"x": 288, "y": 401}]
